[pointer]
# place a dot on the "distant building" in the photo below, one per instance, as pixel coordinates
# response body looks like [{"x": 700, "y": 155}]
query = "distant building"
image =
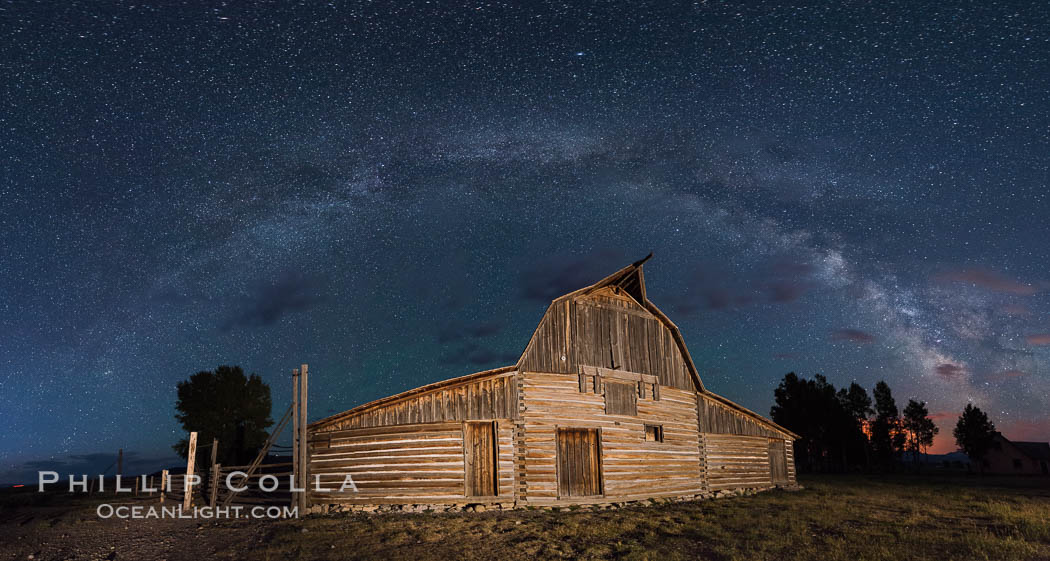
[{"x": 1017, "y": 458}]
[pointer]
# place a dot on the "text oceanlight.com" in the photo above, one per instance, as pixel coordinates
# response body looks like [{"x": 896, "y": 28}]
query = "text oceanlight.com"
[
  {"x": 176, "y": 511},
  {"x": 235, "y": 483}
]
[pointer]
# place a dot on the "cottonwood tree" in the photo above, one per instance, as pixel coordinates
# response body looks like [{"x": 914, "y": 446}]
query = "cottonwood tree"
[
  {"x": 857, "y": 404},
  {"x": 814, "y": 410},
  {"x": 919, "y": 428},
  {"x": 974, "y": 433},
  {"x": 887, "y": 436},
  {"x": 227, "y": 405}
]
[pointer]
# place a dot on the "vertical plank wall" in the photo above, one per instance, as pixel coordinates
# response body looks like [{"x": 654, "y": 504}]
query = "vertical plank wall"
[
  {"x": 489, "y": 397},
  {"x": 608, "y": 330},
  {"x": 632, "y": 468}
]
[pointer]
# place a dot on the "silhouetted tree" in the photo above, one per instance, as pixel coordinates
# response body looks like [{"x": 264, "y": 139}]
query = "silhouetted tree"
[
  {"x": 856, "y": 401},
  {"x": 836, "y": 428},
  {"x": 812, "y": 409},
  {"x": 919, "y": 428},
  {"x": 227, "y": 405},
  {"x": 887, "y": 438},
  {"x": 974, "y": 433},
  {"x": 857, "y": 404}
]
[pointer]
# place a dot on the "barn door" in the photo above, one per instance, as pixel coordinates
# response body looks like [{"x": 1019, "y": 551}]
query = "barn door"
[
  {"x": 579, "y": 463},
  {"x": 777, "y": 462},
  {"x": 479, "y": 449}
]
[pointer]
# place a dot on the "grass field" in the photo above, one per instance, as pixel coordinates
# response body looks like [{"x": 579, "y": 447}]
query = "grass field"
[{"x": 847, "y": 518}]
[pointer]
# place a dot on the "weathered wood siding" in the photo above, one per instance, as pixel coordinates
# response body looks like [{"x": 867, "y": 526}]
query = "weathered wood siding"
[
  {"x": 579, "y": 459},
  {"x": 413, "y": 464},
  {"x": 737, "y": 446},
  {"x": 737, "y": 462},
  {"x": 718, "y": 418},
  {"x": 608, "y": 330},
  {"x": 492, "y": 397},
  {"x": 743, "y": 462},
  {"x": 479, "y": 452},
  {"x": 631, "y": 467}
]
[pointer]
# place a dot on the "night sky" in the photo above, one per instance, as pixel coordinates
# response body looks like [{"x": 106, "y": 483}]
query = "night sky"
[{"x": 394, "y": 193}]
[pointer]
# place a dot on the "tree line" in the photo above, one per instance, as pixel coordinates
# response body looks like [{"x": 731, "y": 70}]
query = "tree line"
[
  {"x": 840, "y": 429},
  {"x": 846, "y": 429}
]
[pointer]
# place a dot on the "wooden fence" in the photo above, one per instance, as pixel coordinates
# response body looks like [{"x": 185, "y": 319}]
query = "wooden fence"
[{"x": 268, "y": 484}]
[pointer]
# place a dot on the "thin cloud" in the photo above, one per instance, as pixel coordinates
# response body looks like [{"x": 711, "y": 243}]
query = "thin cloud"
[
  {"x": 950, "y": 371},
  {"x": 270, "y": 302},
  {"x": 1007, "y": 375},
  {"x": 988, "y": 280},
  {"x": 785, "y": 292},
  {"x": 852, "y": 335},
  {"x": 556, "y": 277}
]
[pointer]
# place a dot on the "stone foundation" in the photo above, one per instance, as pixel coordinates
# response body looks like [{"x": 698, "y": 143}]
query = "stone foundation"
[{"x": 489, "y": 507}]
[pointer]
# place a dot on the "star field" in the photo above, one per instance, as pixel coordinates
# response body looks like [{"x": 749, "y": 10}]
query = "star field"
[{"x": 393, "y": 194}]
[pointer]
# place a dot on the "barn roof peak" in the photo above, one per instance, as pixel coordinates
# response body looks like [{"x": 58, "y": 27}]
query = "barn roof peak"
[{"x": 630, "y": 279}]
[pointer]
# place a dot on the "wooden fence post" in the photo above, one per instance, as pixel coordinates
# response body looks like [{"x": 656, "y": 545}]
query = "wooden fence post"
[
  {"x": 191, "y": 459},
  {"x": 216, "y": 470},
  {"x": 163, "y": 484},
  {"x": 214, "y": 459},
  {"x": 296, "y": 469},
  {"x": 304, "y": 456}
]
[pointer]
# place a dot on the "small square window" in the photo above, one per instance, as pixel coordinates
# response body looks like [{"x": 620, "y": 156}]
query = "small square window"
[
  {"x": 654, "y": 433},
  {"x": 620, "y": 398},
  {"x": 1017, "y": 464}
]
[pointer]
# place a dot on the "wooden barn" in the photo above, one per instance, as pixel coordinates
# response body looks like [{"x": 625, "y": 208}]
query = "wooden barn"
[{"x": 604, "y": 405}]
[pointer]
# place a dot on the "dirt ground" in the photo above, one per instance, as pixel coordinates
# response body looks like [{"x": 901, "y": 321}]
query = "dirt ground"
[
  {"x": 57, "y": 531},
  {"x": 850, "y": 518}
]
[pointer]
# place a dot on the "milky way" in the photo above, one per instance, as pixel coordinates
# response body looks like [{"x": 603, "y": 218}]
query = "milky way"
[{"x": 393, "y": 195}]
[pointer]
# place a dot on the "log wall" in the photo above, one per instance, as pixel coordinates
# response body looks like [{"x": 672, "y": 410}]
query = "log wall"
[
  {"x": 736, "y": 447},
  {"x": 737, "y": 462},
  {"x": 742, "y": 462},
  {"x": 412, "y": 464},
  {"x": 632, "y": 468}
]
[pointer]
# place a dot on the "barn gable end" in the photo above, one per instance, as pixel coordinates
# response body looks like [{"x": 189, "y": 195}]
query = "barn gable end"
[{"x": 611, "y": 324}]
